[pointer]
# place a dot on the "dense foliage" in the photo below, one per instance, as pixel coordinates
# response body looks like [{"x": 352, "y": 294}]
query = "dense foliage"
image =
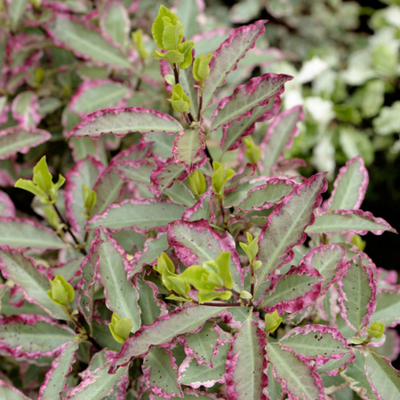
[{"x": 177, "y": 251}]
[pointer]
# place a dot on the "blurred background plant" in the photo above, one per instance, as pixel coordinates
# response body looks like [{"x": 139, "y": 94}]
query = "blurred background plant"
[{"x": 62, "y": 60}]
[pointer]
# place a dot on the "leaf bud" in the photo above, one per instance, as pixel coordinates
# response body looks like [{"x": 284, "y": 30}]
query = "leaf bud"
[
  {"x": 376, "y": 330},
  {"x": 164, "y": 263},
  {"x": 89, "y": 199},
  {"x": 171, "y": 56},
  {"x": 167, "y": 30},
  {"x": 358, "y": 242},
  {"x": 201, "y": 67},
  {"x": 180, "y": 102},
  {"x": 244, "y": 294},
  {"x": 272, "y": 322},
  {"x": 42, "y": 184},
  {"x": 220, "y": 177},
  {"x": 61, "y": 292},
  {"x": 185, "y": 49},
  {"x": 120, "y": 328},
  {"x": 251, "y": 249},
  {"x": 197, "y": 183},
  {"x": 137, "y": 38},
  {"x": 252, "y": 152}
]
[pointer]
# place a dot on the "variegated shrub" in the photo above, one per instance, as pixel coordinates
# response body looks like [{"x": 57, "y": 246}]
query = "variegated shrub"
[{"x": 164, "y": 273}]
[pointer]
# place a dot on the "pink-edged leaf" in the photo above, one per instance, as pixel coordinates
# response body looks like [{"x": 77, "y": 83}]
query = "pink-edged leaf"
[
  {"x": 22, "y": 270},
  {"x": 357, "y": 294},
  {"x": 152, "y": 307},
  {"x": 203, "y": 345},
  {"x": 153, "y": 248},
  {"x": 274, "y": 390},
  {"x": 33, "y": 336},
  {"x": 191, "y": 394},
  {"x": 161, "y": 373},
  {"x": 297, "y": 377},
  {"x": 387, "y": 306},
  {"x": 161, "y": 145},
  {"x": 266, "y": 195},
  {"x": 294, "y": 291},
  {"x": 285, "y": 227},
  {"x": 121, "y": 295},
  {"x": 97, "y": 385},
  {"x": 187, "y": 146},
  {"x": 11, "y": 393},
  {"x": 194, "y": 374},
  {"x": 20, "y": 140},
  {"x": 349, "y": 186},
  {"x": 115, "y": 23},
  {"x": 162, "y": 332},
  {"x": 108, "y": 188},
  {"x": 181, "y": 194},
  {"x": 166, "y": 173},
  {"x": 280, "y": 135},
  {"x": 121, "y": 121},
  {"x": 383, "y": 378},
  {"x": 55, "y": 381},
  {"x": 227, "y": 56},
  {"x": 96, "y": 95},
  {"x": 328, "y": 260},
  {"x": 247, "y": 97},
  {"x": 25, "y": 109},
  {"x": 7, "y": 208},
  {"x": 137, "y": 152},
  {"x": 84, "y": 172},
  {"x": 320, "y": 343},
  {"x": 85, "y": 41},
  {"x": 136, "y": 171},
  {"x": 246, "y": 363},
  {"x": 196, "y": 242},
  {"x": 86, "y": 284},
  {"x": 356, "y": 376},
  {"x": 349, "y": 221},
  {"x": 237, "y": 130},
  {"x": 4, "y": 106},
  {"x": 333, "y": 367},
  {"x": 143, "y": 215},
  {"x": 202, "y": 209}
]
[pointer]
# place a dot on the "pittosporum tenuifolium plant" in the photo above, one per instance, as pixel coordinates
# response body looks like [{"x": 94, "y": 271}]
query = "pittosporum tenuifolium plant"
[{"x": 168, "y": 271}]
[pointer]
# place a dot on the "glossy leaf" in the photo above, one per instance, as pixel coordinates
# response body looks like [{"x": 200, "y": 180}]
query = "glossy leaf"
[
  {"x": 350, "y": 186},
  {"x": 55, "y": 381},
  {"x": 349, "y": 221},
  {"x": 296, "y": 377},
  {"x": 328, "y": 260},
  {"x": 265, "y": 196},
  {"x": 187, "y": 146},
  {"x": 140, "y": 215},
  {"x": 97, "y": 385},
  {"x": 387, "y": 304},
  {"x": 115, "y": 23},
  {"x": 246, "y": 363},
  {"x": 11, "y": 393},
  {"x": 21, "y": 140},
  {"x": 384, "y": 379},
  {"x": 196, "y": 243},
  {"x": 153, "y": 248},
  {"x": 293, "y": 291},
  {"x": 121, "y": 121},
  {"x": 193, "y": 374},
  {"x": 23, "y": 272},
  {"x": 247, "y": 97},
  {"x": 316, "y": 342},
  {"x": 285, "y": 226},
  {"x": 203, "y": 344},
  {"x": 164, "y": 329},
  {"x": 161, "y": 373},
  {"x": 227, "y": 56},
  {"x": 121, "y": 295},
  {"x": 85, "y": 41},
  {"x": 33, "y": 336},
  {"x": 357, "y": 291},
  {"x": 280, "y": 135},
  {"x": 96, "y": 95},
  {"x": 234, "y": 132}
]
